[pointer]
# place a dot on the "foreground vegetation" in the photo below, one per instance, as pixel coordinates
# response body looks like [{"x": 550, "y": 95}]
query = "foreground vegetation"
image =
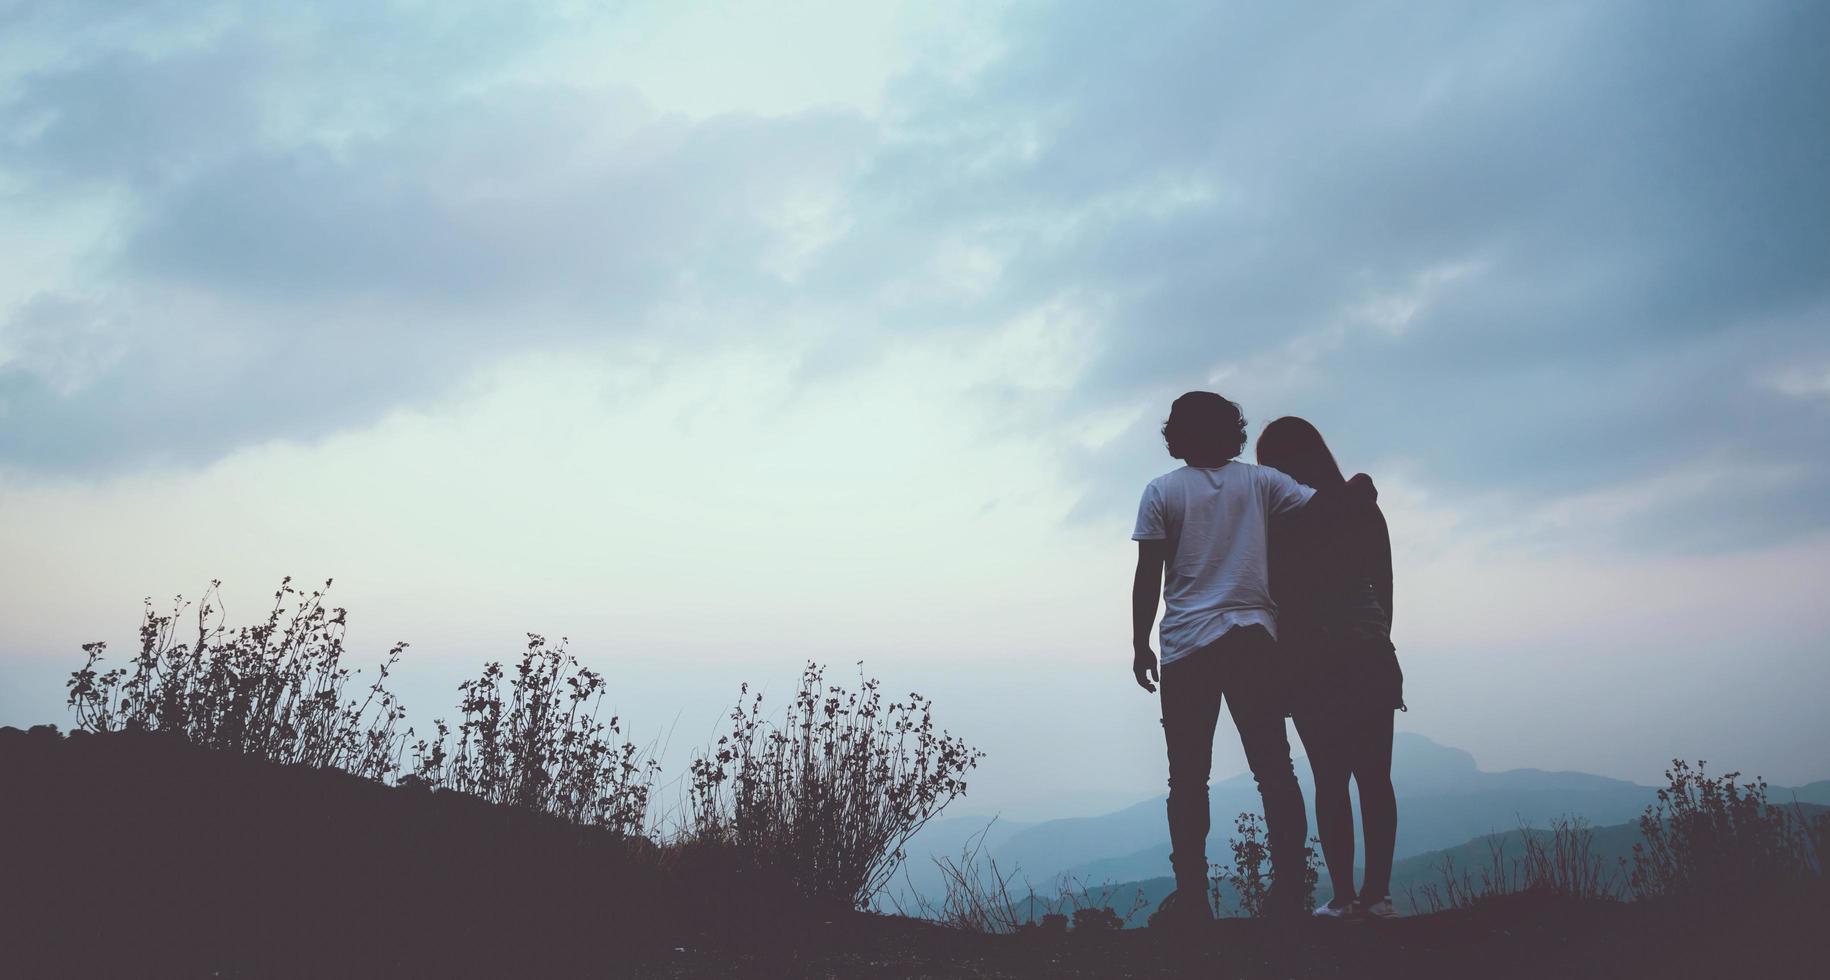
[
  {"x": 236, "y": 802},
  {"x": 823, "y": 798},
  {"x": 142, "y": 855}
]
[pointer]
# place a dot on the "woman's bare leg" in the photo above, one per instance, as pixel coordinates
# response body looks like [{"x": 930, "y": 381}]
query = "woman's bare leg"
[
  {"x": 1371, "y": 747},
  {"x": 1328, "y": 759}
]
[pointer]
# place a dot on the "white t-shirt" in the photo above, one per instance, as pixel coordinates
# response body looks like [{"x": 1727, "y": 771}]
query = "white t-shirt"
[{"x": 1218, "y": 574}]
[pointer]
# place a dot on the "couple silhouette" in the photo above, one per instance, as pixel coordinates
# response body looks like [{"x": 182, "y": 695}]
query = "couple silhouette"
[{"x": 1276, "y": 585}]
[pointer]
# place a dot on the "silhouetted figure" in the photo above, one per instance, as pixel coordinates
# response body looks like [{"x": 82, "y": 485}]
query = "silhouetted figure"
[
  {"x": 1332, "y": 582},
  {"x": 1202, "y": 539}
]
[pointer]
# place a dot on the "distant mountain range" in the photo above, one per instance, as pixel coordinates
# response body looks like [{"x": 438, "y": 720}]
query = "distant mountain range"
[
  {"x": 1445, "y": 801},
  {"x": 1411, "y": 876}
]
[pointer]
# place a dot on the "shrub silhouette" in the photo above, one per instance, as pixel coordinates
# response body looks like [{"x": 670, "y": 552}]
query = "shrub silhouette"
[
  {"x": 1250, "y": 874},
  {"x": 1714, "y": 836},
  {"x": 819, "y": 806},
  {"x": 1097, "y": 919},
  {"x": 831, "y": 794},
  {"x": 827, "y": 799},
  {"x": 540, "y": 745},
  {"x": 274, "y": 690}
]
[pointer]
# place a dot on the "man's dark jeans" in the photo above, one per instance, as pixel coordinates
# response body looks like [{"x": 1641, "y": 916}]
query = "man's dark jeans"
[{"x": 1243, "y": 667}]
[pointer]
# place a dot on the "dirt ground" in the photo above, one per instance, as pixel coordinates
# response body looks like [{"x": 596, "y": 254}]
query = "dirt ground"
[
  {"x": 127, "y": 856},
  {"x": 1510, "y": 939}
]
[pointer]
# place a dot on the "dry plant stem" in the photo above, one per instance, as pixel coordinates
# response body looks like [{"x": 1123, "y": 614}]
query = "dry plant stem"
[
  {"x": 274, "y": 690},
  {"x": 538, "y": 745},
  {"x": 1250, "y": 873},
  {"x": 829, "y": 797},
  {"x": 978, "y": 895},
  {"x": 832, "y": 793},
  {"x": 1719, "y": 838}
]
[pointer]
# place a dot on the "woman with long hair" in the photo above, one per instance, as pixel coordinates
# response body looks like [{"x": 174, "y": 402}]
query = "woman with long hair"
[{"x": 1333, "y": 587}]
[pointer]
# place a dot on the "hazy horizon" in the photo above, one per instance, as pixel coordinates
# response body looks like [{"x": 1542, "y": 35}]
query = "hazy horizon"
[{"x": 720, "y": 338}]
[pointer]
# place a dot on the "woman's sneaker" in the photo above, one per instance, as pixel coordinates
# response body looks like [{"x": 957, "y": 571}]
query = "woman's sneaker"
[
  {"x": 1381, "y": 909},
  {"x": 1332, "y": 911}
]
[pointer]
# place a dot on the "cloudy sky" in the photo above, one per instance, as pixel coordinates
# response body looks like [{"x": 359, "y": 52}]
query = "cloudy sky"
[{"x": 719, "y": 337}]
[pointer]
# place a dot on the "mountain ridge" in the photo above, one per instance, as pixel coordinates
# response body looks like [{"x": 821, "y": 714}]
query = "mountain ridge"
[{"x": 1445, "y": 800}]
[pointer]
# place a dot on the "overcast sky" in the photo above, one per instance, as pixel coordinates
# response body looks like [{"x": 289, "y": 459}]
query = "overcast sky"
[{"x": 722, "y": 337}]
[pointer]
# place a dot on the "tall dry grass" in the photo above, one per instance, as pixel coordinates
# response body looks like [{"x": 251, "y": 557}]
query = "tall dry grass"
[
  {"x": 827, "y": 796},
  {"x": 1249, "y": 875},
  {"x": 277, "y": 690},
  {"x": 979, "y": 896},
  {"x": 1558, "y": 863},
  {"x": 832, "y": 792},
  {"x": 1720, "y": 838},
  {"x": 538, "y": 744}
]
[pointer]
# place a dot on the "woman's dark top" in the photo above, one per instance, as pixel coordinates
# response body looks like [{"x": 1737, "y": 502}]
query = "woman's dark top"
[{"x": 1332, "y": 582}]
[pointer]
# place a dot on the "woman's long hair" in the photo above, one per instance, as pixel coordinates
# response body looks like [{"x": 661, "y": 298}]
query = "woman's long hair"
[{"x": 1294, "y": 446}]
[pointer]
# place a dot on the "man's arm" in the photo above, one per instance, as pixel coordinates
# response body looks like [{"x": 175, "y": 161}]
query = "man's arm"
[
  {"x": 1335, "y": 503},
  {"x": 1146, "y": 589}
]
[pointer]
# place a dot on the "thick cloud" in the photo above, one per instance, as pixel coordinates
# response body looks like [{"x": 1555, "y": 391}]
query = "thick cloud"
[
  {"x": 1541, "y": 254},
  {"x": 278, "y": 277},
  {"x": 1535, "y": 252}
]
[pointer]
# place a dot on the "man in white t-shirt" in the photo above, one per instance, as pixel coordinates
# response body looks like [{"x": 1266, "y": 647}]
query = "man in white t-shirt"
[{"x": 1201, "y": 534}]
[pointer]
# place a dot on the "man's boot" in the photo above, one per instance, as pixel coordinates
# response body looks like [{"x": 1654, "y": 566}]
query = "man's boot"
[{"x": 1184, "y": 909}]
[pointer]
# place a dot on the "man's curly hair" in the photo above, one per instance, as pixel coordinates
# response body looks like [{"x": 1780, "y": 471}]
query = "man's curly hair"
[{"x": 1204, "y": 425}]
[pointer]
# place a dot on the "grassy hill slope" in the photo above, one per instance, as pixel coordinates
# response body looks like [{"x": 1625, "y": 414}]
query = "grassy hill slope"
[{"x": 144, "y": 856}]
